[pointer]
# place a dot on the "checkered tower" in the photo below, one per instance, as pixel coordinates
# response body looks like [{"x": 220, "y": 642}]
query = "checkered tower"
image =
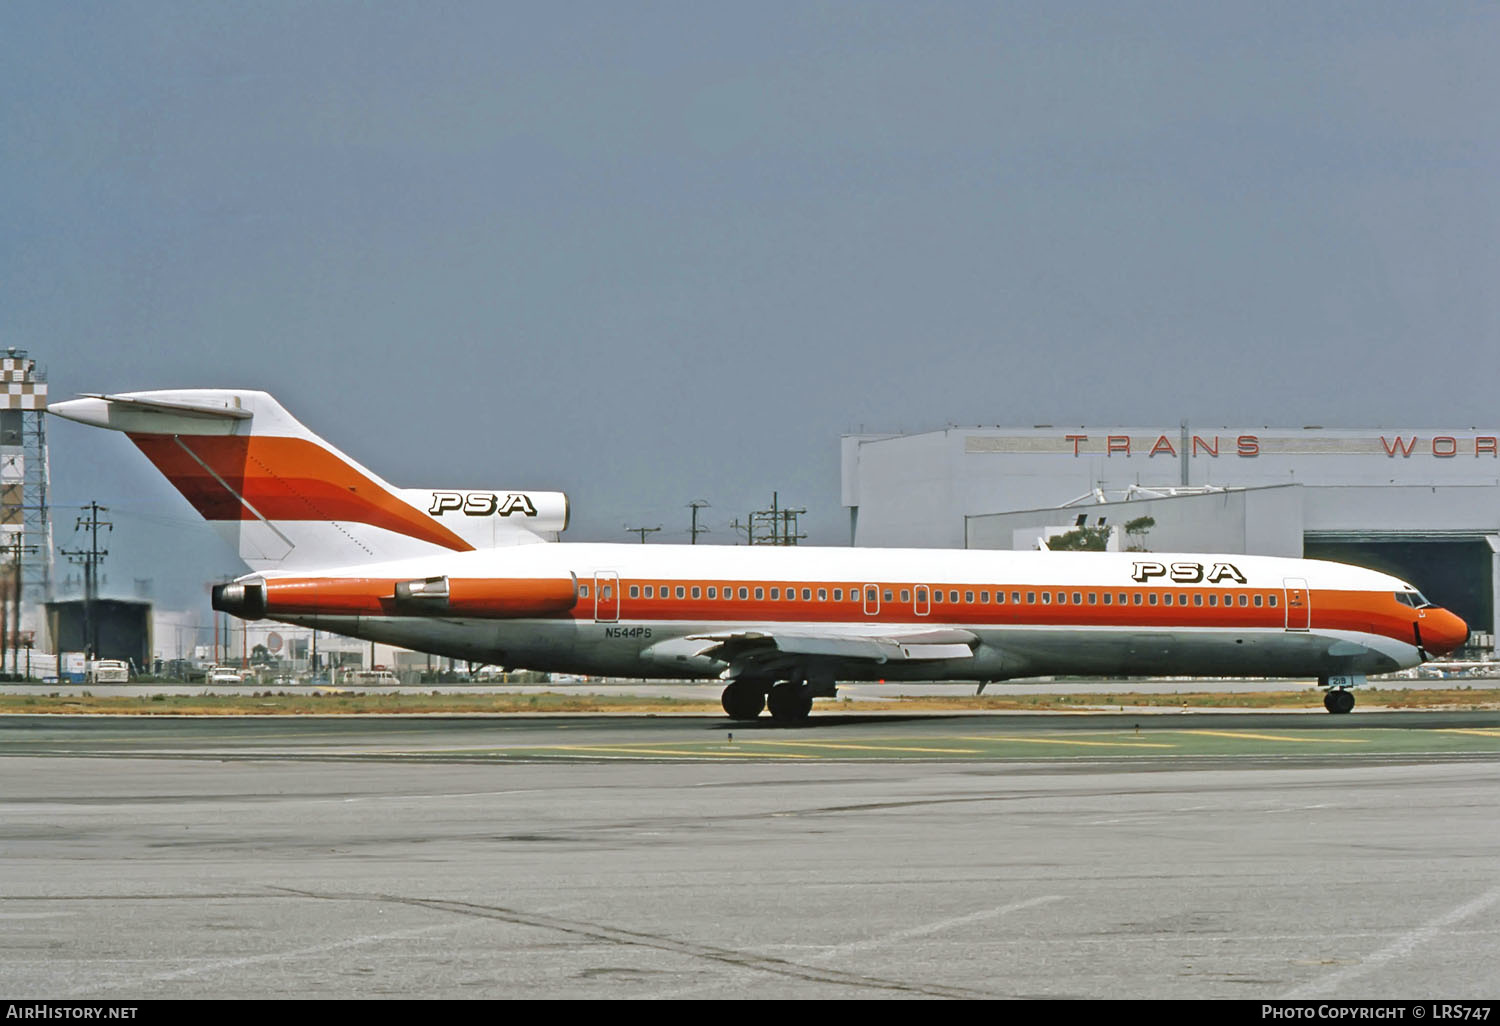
[{"x": 25, "y": 521}]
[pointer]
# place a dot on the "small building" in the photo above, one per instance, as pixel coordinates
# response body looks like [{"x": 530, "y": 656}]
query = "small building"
[{"x": 122, "y": 626}]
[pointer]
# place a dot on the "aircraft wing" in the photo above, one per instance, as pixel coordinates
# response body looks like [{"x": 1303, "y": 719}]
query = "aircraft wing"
[{"x": 771, "y": 647}]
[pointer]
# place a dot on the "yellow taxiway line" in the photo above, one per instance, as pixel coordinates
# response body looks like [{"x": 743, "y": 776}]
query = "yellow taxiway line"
[
  {"x": 1278, "y": 737},
  {"x": 1060, "y": 741},
  {"x": 868, "y": 748},
  {"x": 666, "y": 751}
]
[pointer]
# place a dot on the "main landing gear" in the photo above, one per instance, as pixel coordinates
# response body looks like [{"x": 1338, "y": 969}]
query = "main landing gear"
[
  {"x": 790, "y": 701},
  {"x": 1338, "y": 700},
  {"x": 744, "y": 699}
]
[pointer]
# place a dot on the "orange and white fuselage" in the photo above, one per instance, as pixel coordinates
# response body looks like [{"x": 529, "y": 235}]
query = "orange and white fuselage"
[
  {"x": 471, "y": 573},
  {"x": 676, "y": 611}
]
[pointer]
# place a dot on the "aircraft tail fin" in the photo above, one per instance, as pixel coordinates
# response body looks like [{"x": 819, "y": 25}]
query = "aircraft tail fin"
[{"x": 285, "y": 499}]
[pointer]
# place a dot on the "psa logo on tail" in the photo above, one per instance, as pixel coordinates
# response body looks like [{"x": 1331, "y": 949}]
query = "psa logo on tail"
[{"x": 482, "y": 504}]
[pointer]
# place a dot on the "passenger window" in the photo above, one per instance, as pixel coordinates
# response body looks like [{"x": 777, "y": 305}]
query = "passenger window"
[
  {"x": 635, "y": 591},
  {"x": 822, "y": 594},
  {"x": 1151, "y": 598},
  {"x": 1243, "y": 600},
  {"x": 791, "y": 594},
  {"x": 888, "y": 595},
  {"x": 1273, "y": 601},
  {"x": 1030, "y": 598},
  {"x": 953, "y": 596},
  {"x": 697, "y": 592},
  {"x": 1198, "y": 598},
  {"x": 969, "y": 596},
  {"x": 1093, "y": 598},
  {"x": 583, "y": 591},
  {"x": 838, "y": 594},
  {"x": 806, "y": 594},
  {"x": 681, "y": 591},
  {"x": 1258, "y": 600},
  {"x": 1062, "y": 598},
  {"x": 713, "y": 593},
  {"x": 1136, "y": 598},
  {"x": 760, "y": 593},
  {"x": 1167, "y": 599},
  {"x": 775, "y": 593},
  {"x": 1046, "y": 598},
  {"x": 984, "y": 597},
  {"x": 937, "y": 596},
  {"x": 1107, "y": 597},
  {"x": 744, "y": 593},
  {"x": 1078, "y": 598},
  {"x": 905, "y": 594},
  {"x": 649, "y": 592},
  {"x": 1213, "y": 600}
]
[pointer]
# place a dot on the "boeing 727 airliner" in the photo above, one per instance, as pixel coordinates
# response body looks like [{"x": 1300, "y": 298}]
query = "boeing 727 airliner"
[{"x": 474, "y": 573}]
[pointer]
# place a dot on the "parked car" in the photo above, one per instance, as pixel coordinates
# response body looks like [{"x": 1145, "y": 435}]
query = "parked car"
[{"x": 224, "y": 675}]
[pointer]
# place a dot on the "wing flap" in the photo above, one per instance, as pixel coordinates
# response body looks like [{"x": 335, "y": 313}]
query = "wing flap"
[{"x": 892, "y": 646}]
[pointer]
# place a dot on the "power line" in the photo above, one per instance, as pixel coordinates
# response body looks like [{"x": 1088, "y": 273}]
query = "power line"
[
  {"x": 643, "y": 531},
  {"x": 90, "y": 558},
  {"x": 695, "y": 506}
]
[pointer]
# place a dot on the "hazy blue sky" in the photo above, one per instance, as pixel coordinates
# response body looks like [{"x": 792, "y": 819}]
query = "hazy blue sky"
[{"x": 654, "y": 252}]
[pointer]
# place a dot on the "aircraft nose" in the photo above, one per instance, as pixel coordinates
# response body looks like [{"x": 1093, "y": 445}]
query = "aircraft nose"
[{"x": 1442, "y": 631}]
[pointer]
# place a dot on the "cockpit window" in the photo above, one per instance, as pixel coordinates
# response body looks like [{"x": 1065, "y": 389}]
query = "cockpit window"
[
  {"x": 1403, "y": 598},
  {"x": 1413, "y": 598}
]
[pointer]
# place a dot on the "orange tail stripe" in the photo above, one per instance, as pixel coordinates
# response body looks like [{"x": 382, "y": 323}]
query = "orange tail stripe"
[{"x": 283, "y": 479}]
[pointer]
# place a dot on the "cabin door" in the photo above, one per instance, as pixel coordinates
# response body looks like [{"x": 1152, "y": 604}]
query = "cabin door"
[
  {"x": 1298, "y": 604},
  {"x": 606, "y": 596}
]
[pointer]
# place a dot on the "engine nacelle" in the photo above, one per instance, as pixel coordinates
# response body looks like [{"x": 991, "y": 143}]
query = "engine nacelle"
[{"x": 481, "y": 597}]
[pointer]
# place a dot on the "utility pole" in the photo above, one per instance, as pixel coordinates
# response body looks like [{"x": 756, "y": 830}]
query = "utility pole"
[
  {"x": 695, "y": 506},
  {"x": 90, "y": 558},
  {"x": 774, "y": 526},
  {"x": 643, "y": 531},
  {"x": 13, "y": 590}
]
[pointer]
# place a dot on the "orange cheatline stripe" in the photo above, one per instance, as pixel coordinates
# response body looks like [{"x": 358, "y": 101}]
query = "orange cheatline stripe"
[
  {"x": 284, "y": 479},
  {"x": 1376, "y": 613}
]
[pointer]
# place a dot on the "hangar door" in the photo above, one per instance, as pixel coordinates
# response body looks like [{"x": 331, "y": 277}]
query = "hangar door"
[{"x": 1454, "y": 573}]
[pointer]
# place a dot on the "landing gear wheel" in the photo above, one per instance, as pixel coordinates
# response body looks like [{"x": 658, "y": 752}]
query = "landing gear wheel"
[
  {"x": 743, "y": 699},
  {"x": 1338, "y": 701},
  {"x": 790, "y": 701}
]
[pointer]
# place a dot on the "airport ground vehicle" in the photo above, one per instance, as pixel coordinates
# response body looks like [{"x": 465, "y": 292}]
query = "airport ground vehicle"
[
  {"x": 223, "y": 675},
  {"x": 368, "y": 678},
  {"x": 471, "y": 574},
  {"x": 108, "y": 671}
]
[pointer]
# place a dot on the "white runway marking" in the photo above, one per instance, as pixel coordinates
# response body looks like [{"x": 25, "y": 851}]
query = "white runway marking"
[
  {"x": 105, "y": 986},
  {"x": 1397, "y": 949},
  {"x": 937, "y": 927}
]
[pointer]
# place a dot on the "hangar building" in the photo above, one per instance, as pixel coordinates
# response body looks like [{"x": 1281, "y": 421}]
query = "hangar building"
[{"x": 1422, "y": 504}]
